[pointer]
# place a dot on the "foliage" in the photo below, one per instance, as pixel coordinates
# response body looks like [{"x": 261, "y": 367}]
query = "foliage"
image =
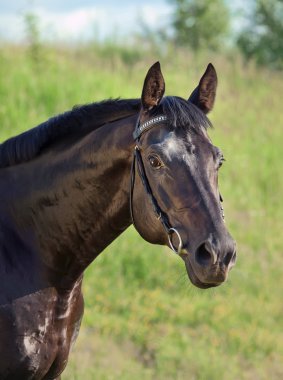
[
  {"x": 262, "y": 39},
  {"x": 200, "y": 23},
  {"x": 143, "y": 319},
  {"x": 33, "y": 35}
]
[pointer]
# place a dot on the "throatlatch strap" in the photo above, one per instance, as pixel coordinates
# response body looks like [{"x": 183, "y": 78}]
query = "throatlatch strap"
[
  {"x": 133, "y": 178},
  {"x": 157, "y": 210},
  {"x": 137, "y": 159}
]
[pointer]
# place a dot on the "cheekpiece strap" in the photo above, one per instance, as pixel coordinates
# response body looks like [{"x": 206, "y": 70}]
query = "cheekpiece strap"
[{"x": 140, "y": 128}]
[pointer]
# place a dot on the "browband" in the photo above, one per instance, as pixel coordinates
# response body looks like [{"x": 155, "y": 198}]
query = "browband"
[{"x": 140, "y": 128}]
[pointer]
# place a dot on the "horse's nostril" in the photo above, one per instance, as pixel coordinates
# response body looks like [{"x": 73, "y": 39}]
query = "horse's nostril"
[
  {"x": 204, "y": 255},
  {"x": 230, "y": 258}
]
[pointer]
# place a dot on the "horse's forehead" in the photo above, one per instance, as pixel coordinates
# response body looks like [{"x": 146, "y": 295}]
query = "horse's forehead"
[
  {"x": 177, "y": 145},
  {"x": 173, "y": 146}
]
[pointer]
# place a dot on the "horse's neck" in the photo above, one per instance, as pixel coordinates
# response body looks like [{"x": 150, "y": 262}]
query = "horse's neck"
[{"x": 79, "y": 199}]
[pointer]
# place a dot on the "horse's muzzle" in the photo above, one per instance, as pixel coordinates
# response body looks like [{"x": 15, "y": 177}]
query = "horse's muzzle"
[{"x": 210, "y": 264}]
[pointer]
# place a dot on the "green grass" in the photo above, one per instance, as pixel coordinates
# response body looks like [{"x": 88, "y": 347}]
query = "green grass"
[{"x": 143, "y": 319}]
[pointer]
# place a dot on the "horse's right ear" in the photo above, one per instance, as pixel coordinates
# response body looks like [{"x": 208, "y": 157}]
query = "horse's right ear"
[
  {"x": 153, "y": 88},
  {"x": 204, "y": 95}
]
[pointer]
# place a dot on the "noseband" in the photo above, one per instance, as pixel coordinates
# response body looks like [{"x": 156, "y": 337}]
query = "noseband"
[{"x": 137, "y": 161}]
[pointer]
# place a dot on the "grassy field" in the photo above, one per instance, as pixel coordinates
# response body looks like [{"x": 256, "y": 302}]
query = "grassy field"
[{"x": 143, "y": 319}]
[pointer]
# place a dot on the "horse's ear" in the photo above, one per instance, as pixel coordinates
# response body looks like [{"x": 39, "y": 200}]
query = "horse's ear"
[
  {"x": 204, "y": 95},
  {"x": 153, "y": 88}
]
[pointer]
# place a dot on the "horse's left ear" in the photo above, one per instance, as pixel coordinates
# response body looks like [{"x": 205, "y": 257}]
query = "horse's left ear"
[
  {"x": 204, "y": 95},
  {"x": 153, "y": 88}
]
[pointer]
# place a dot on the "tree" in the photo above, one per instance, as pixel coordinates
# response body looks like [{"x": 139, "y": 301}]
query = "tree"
[
  {"x": 200, "y": 23},
  {"x": 262, "y": 39},
  {"x": 31, "y": 21}
]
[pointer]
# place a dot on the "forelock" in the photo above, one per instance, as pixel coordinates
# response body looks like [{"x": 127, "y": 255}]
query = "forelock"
[{"x": 182, "y": 113}]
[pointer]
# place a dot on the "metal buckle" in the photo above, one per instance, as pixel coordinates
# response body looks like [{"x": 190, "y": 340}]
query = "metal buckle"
[{"x": 180, "y": 246}]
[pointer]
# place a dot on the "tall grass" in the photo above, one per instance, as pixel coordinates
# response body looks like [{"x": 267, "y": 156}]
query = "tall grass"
[{"x": 143, "y": 319}]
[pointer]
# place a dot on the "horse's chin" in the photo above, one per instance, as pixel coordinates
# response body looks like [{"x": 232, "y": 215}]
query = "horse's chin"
[{"x": 195, "y": 280}]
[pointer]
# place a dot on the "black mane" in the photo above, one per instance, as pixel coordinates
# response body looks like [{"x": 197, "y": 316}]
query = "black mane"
[
  {"x": 81, "y": 119},
  {"x": 184, "y": 114},
  {"x": 84, "y": 119}
]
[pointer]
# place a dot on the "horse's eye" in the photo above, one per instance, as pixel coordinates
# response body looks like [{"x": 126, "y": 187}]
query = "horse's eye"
[
  {"x": 221, "y": 160},
  {"x": 154, "y": 162}
]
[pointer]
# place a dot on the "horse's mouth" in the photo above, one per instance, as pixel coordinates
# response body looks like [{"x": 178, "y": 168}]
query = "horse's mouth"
[{"x": 195, "y": 280}]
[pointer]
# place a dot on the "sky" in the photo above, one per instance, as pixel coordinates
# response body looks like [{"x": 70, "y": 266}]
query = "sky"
[{"x": 76, "y": 20}]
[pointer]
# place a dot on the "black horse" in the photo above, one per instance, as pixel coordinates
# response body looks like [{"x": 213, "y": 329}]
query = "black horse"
[{"x": 71, "y": 185}]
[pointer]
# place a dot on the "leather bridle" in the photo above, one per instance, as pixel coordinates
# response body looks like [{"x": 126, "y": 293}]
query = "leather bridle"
[{"x": 138, "y": 162}]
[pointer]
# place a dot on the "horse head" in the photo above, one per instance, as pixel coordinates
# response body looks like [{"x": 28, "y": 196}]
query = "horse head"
[{"x": 175, "y": 195}]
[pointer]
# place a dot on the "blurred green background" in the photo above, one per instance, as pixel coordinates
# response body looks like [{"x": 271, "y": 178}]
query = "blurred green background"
[{"x": 143, "y": 319}]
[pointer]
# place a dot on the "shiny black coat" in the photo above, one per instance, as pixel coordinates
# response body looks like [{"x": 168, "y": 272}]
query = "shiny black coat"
[{"x": 65, "y": 196}]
